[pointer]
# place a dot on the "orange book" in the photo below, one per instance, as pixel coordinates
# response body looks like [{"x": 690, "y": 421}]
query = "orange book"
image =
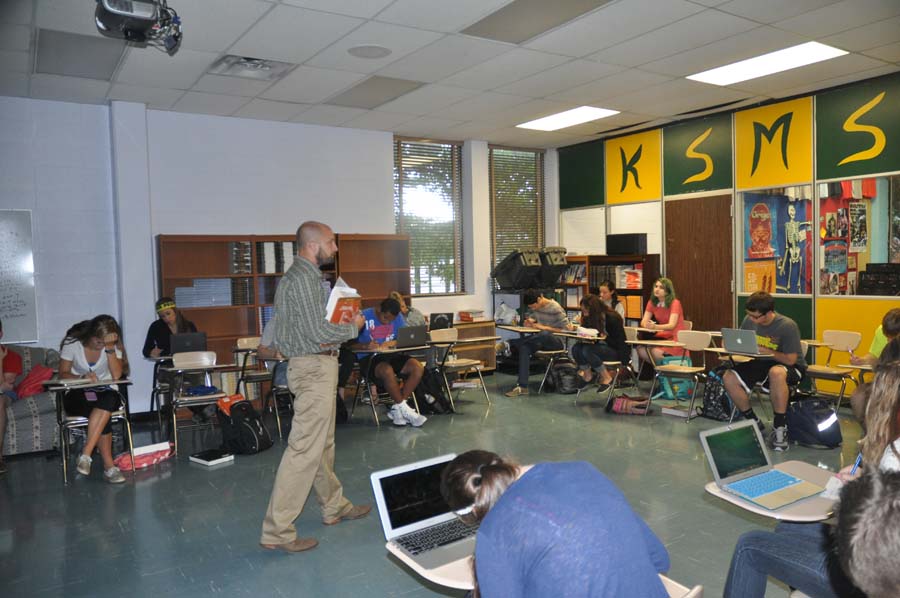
[{"x": 343, "y": 303}]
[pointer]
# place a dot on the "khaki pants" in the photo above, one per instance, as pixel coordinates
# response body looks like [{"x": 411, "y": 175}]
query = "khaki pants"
[{"x": 308, "y": 460}]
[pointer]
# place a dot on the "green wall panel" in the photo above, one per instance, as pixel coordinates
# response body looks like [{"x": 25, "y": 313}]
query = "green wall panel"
[
  {"x": 581, "y": 175},
  {"x": 799, "y": 309},
  {"x": 697, "y": 155}
]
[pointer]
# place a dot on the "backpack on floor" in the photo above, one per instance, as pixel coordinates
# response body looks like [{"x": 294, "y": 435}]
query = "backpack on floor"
[
  {"x": 716, "y": 402},
  {"x": 563, "y": 377},
  {"x": 813, "y": 423},
  {"x": 432, "y": 385},
  {"x": 675, "y": 389},
  {"x": 243, "y": 431}
]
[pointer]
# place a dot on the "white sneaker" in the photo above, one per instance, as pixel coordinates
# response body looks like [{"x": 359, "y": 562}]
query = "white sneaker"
[
  {"x": 411, "y": 416},
  {"x": 396, "y": 415},
  {"x": 113, "y": 475},
  {"x": 84, "y": 465}
]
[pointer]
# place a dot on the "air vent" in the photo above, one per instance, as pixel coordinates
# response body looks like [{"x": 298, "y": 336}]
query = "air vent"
[{"x": 250, "y": 68}]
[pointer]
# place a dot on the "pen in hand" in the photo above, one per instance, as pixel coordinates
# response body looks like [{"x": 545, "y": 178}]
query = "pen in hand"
[{"x": 856, "y": 464}]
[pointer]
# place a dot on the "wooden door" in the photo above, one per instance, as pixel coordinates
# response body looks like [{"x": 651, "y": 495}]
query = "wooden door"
[{"x": 699, "y": 259}]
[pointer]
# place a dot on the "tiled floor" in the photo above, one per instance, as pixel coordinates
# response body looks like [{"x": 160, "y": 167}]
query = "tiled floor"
[{"x": 181, "y": 529}]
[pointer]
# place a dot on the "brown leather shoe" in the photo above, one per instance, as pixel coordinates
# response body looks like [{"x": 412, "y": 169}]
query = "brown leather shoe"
[
  {"x": 298, "y": 545},
  {"x": 357, "y": 512}
]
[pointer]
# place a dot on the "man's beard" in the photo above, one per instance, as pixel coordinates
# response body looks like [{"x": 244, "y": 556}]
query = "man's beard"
[{"x": 322, "y": 259}]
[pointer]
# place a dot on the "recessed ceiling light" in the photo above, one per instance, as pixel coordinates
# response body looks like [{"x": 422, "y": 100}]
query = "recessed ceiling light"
[
  {"x": 768, "y": 64},
  {"x": 569, "y": 118},
  {"x": 369, "y": 52}
]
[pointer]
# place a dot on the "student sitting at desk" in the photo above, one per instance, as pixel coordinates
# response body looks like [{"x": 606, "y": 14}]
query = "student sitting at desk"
[
  {"x": 552, "y": 529},
  {"x": 889, "y": 330},
  {"x": 799, "y": 554},
  {"x": 412, "y": 315},
  {"x": 547, "y": 316},
  {"x": 590, "y": 355},
  {"x": 610, "y": 298},
  {"x": 380, "y": 331},
  {"x": 93, "y": 350},
  {"x": 665, "y": 316},
  {"x": 778, "y": 338},
  {"x": 158, "y": 342}
]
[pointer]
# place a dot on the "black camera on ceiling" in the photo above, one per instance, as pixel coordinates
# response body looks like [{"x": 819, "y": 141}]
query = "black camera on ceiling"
[{"x": 149, "y": 22}]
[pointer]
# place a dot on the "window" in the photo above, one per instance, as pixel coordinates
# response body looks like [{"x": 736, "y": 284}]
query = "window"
[
  {"x": 428, "y": 208},
  {"x": 517, "y": 200}
]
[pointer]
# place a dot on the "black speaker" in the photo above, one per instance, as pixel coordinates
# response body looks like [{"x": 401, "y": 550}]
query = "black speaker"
[
  {"x": 626, "y": 244},
  {"x": 553, "y": 264},
  {"x": 518, "y": 270}
]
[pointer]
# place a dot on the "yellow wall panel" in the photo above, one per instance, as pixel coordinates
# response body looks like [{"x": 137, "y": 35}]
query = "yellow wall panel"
[
  {"x": 773, "y": 145},
  {"x": 633, "y": 168}
]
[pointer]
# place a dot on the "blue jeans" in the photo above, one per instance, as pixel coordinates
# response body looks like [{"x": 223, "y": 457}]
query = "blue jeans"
[
  {"x": 797, "y": 554},
  {"x": 593, "y": 354},
  {"x": 527, "y": 345}
]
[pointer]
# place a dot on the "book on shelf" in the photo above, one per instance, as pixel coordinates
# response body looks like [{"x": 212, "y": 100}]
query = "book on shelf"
[
  {"x": 470, "y": 315},
  {"x": 212, "y": 457},
  {"x": 633, "y": 307},
  {"x": 343, "y": 303},
  {"x": 574, "y": 295}
]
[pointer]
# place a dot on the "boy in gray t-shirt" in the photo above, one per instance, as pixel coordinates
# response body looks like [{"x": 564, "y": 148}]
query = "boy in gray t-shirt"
[
  {"x": 778, "y": 337},
  {"x": 547, "y": 316}
]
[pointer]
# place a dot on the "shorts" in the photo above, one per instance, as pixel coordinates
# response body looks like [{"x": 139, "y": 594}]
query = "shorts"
[
  {"x": 756, "y": 371},
  {"x": 396, "y": 360}
]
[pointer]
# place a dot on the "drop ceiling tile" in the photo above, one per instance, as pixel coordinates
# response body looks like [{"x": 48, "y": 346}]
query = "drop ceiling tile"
[
  {"x": 444, "y": 57},
  {"x": 291, "y": 34},
  {"x": 558, "y": 78},
  {"x": 481, "y": 107},
  {"x": 425, "y": 126},
  {"x": 608, "y": 87},
  {"x": 888, "y": 53},
  {"x": 623, "y": 119},
  {"x": 530, "y": 110},
  {"x": 69, "y": 89},
  {"x": 381, "y": 121},
  {"x": 16, "y": 12},
  {"x": 14, "y": 85},
  {"x": 208, "y": 103},
  {"x": 738, "y": 47},
  {"x": 843, "y": 80},
  {"x": 66, "y": 15},
  {"x": 327, "y": 115},
  {"x": 427, "y": 98},
  {"x": 714, "y": 2},
  {"x": 473, "y": 130},
  {"x": 374, "y": 92},
  {"x": 213, "y": 25},
  {"x": 76, "y": 55},
  {"x": 155, "y": 98},
  {"x": 506, "y": 68},
  {"x": 612, "y": 24},
  {"x": 152, "y": 68},
  {"x": 439, "y": 15},
  {"x": 15, "y": 37},
  {"x": 774, "y": 85},
  {"x": 354, "y": 8},
  {"x": 686, "y": 34},
  {"x": 236, "y": 86},
  {"x": 840, "y": 16},
  {"x": 268, "y": 110},
  {"x": 309, "y": 85},
  {"x": 674, "y": 97},
  {"x": 401, "y": 40},
  {"x": 866, "y": 37},
  {"x": 770, "y": 11},
  {"x": 16, "y": 62}
]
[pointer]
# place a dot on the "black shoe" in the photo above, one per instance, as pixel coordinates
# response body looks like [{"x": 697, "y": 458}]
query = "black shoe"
[{"x": 602, "y": 387}]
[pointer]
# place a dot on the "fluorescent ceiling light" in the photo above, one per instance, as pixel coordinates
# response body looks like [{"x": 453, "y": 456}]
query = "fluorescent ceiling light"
[
  {"x": 569, "y": 118},
  {"x": 767, "y": 64}
]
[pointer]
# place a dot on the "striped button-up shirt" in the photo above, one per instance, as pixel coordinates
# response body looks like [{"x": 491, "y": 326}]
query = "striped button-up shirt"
[{"x": 301, "y": 327}]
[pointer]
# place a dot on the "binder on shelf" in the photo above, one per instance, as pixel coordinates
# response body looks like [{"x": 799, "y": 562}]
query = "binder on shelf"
[
  {"x": 212, "y": 457},
  {"x": 633, "y": 307},
  {"x": 343, "y": 303}
]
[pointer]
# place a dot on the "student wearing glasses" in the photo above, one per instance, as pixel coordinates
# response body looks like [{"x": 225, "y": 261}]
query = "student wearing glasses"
[{"x": 778, "y": 337}]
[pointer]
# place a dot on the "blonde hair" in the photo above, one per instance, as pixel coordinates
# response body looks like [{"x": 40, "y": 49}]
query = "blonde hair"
[{"x": 398, "y": 297}]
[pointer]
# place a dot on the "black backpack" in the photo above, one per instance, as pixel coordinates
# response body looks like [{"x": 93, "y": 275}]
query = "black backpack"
[
  {"x": 716, "y": 402},
  {"x": 243, "y": 432},
  {"x": 813, "y": 423},
  {"x": 563, "y": 377},
  {"x": 432, "y": 384}
]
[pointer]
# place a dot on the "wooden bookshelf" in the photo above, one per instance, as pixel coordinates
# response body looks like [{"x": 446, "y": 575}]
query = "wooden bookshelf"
[
  {"x": 484, "y": 352},
  {"x": 601, "y": 267},
  {"x": 374, "y": 265}
]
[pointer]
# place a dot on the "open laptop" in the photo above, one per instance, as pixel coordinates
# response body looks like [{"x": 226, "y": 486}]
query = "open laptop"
[
  {"x": 741, "y": 342},
  {"x": 741, "y": 465},
  {"x": 440, "y": 321},
  {"x": 416, "y": 519},
  {"x": 411, "y": 336},
  {"x": 188, "y": 341}
]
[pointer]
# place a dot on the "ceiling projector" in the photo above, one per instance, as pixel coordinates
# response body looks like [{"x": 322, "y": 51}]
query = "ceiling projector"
[{"x": 149, "y": 22}]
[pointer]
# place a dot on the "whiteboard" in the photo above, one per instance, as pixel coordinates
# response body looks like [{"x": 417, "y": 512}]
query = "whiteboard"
[
  {"x": 583, "y": 231},
  {"x": 17, "y": 297}
]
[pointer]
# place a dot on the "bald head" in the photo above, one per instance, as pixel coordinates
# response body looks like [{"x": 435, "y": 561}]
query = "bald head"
[
  {"x": 311, "y": 232},
  {"x": 316, "y": 243}
]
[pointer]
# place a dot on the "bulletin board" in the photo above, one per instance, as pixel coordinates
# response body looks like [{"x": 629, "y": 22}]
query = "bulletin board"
[{"x": 17, "y": 293}]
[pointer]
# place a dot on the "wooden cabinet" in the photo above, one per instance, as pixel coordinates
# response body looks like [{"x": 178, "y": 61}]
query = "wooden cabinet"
[
  {"x": 374, "y": 265},
  {"x": 587, "y": 271},
  {"x": 485, "y": 352}
]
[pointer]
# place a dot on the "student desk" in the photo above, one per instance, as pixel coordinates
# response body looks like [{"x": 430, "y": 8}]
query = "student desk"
[
  {"x": 814, "y": 508},
  {"x": 365, "y": 377},
  {"x": 861, "y": 369},
  {"x": 457, "y": 574}
]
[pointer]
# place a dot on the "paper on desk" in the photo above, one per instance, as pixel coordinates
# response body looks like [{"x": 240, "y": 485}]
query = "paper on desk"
[
  {"x": 343, "y": 303},
  {"x": 833, "y": 488}
]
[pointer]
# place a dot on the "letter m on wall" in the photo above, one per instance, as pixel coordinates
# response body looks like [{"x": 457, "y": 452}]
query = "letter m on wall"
[{"x": 773, "y": 145}]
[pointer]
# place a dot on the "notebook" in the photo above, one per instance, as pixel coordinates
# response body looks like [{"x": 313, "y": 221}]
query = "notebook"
[
  {"x": 188, "y": 341},
  {"x": 416, "y": 519},
  {"x": 440, "y": 320},
  {"x": 741, "y": 342},
  {"x": 741, "y": 465},
  {"x": 411, "y": 336}
]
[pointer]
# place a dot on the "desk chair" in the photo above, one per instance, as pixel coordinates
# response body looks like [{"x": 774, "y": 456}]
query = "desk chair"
[
  {"x": 449, "y": 363},
  {"x": 367, "y": 392},
  {"x": 631, "y": 334},
  {"x": 841, "y": 341},
  {"x": 694, "y": 340},
  {"x": 186, "y": 361},
  {"x": 160, "y": 390},
  {"x": 67, "y": 423},
  {"x": 276, "y": 392},
  {"x": 250, "y": 371},
  {"x": 676, "y": 590},
  {"x": 551, "y": 357},
  {"x": 758, "y": 391},
  {"x": 688, "y": 325}
]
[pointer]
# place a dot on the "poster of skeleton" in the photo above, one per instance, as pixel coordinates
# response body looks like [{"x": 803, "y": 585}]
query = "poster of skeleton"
[
  {"x": 793, "y": 245},
  {"x": 859, "y": 234}
]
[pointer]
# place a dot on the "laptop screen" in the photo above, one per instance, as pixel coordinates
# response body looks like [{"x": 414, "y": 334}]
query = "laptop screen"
[
  {"x": 440, "y": 320},
  {"x": 736, "y": 451},
  {"x": 188, "y": 341},
  {"x": 414, "y": 496}
]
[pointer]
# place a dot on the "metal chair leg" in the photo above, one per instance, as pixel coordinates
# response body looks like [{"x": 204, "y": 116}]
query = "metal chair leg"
[
  {"x": 650, "y": 397},
  {"x": 693, "y": 399},
  {"x": 64, "y": 450},
  {"x": 546, "y": 373}
]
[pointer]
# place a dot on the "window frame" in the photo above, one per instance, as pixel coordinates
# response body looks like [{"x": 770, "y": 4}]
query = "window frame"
[{"x": 541, "y": 197}]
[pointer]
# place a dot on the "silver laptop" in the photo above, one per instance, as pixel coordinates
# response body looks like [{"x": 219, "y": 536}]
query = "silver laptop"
[
  {"x": 741, "y": 342},
  {"x": 411, "y": 336},
  {"x": 741, "y": 465},
  {"x": 415, "y": 517},
  {"x": 188, "y": 341}
]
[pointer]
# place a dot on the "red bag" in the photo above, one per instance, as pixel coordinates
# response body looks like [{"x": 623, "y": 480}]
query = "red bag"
[
  {"x": 32, "y": 383},
  {"x": 143, "y": 457}
]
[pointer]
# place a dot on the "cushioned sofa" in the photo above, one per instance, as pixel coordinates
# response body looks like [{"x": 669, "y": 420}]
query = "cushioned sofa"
[{"x": 31, "y": 422}]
